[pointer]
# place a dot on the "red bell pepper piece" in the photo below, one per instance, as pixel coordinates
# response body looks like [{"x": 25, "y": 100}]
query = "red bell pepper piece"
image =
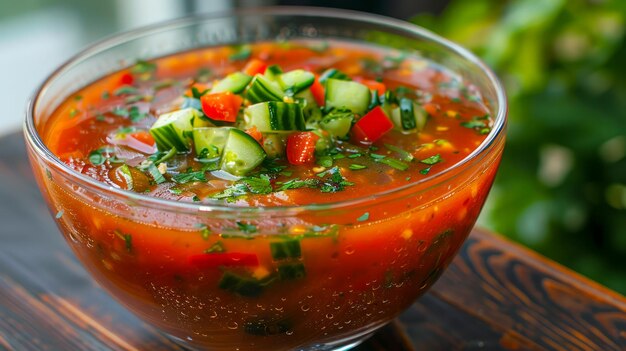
[
  {"x": 301, "y": 147},
  {"x": 317, "y": 89},
  {"x": 372, "y": 126},
  {"x": 221, "y": 106},
  {"x": 126, "y": 79},
  {"x": 228, "y": 259},
  {"x": 255, "y": 66}
]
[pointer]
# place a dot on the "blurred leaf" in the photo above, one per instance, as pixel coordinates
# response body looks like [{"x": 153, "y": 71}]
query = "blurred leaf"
[{"x": 563, "y": 64}]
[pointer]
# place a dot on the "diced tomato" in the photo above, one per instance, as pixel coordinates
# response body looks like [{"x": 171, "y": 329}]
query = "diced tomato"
[
  {"x": 127, "y": 79},
  {"x": 317, "y": 89},
  {"x": 301, "y": 148},
  {"x": 372, "y": 84},
  {"x": 229, "y": 259},
  {"x": 221, "y": 106},
  {"x": 431, "y": 109},
  {"x": 254, "y": 132},
  {"x": 143, "y": 136},
  {"x": 372, "y": 126},
  {"x": 255, "y": 66}
]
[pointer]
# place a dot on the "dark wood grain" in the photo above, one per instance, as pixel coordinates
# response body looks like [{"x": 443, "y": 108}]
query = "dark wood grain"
[{"x": 495, "y": 296}]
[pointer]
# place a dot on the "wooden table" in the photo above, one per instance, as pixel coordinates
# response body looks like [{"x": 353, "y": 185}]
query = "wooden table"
[{"x": 495, "y": 296}]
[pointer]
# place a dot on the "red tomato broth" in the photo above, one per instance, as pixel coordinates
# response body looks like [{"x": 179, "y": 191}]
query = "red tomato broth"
[{"x": 363, "y": 273}]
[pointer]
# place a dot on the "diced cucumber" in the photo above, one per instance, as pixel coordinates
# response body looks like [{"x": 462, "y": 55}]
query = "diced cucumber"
[
  {"x": 241, "y": 153},
  {"x": 295, "y": 81},
  {"x": 307, "y": 103},
  {"x": 209, "y": 142},
  {"x": 272, "y": 72},
  {"x": 234, "y": 82},
  {"x": 262, "y": 89},
  {"x": 274, "y": 144},
  {"x": 333, "y": 73},
  {"x": 412, "y": 116},
  {"x": 337, "y": 123},
  {"x": 313, "y": 119},
  {"x": 274, "y": 116},
  {"x": 173, "y": 129},
  {"x": 342, "y": 94}
]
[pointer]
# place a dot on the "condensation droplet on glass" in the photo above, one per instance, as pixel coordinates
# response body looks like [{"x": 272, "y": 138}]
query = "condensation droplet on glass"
[
  {"x": 283, "y": 299},
  {"x": 349, "y": 250},
  {"x": 213, "y": 314},
  {"x": 232, "y": 325},
  {"x": 289, "y": 332},
  {"x": 189, "y": 338},
  {"x": 330, "y": 316},
  {"x": 305, "y": 308}
]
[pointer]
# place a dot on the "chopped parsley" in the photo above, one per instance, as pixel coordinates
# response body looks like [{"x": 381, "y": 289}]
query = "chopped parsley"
[
  {"x": 246, "y": 228},
  {"x": 244, "y": 186},
  {"x": 404, "y": 155},
  {"x": 120, "y": 111},
  {"x": 143, "y": 67},
  {"x": 126, "y": 90},
  {"x": 389, "y": 161},
  {"x": 332, "y": 181},
  {"x": 135, "y": 115},
  {"x": 297, "y": 183},
  {"x": 479, "y": 123},
  {"x": 364, "y": 217},
  {"x": 432, "y": 160},
  {"x": 193, "y": 176},
  {"x": 128, "y": 240}
]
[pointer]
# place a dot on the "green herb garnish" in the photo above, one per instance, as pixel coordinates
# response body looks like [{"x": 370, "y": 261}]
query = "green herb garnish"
[
  {"x": 143, "y": 67},
  {"x": 404, "y": 155},
  {"x": 244, "y": 186},
  {"x": 297, "y": 183},
  {"x": 364, "y": 217},
  {"x": 285, "y": 249},
  {"x": 217, "y": 247},
  {"x": 128, "y": 240},
  {"x": 246, "y": 228},
  {"x": 432, "y": 160},
  {"x": 197, "y": 176}
]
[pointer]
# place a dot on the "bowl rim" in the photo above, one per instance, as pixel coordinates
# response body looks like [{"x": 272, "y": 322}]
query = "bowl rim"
[{"x": 35, "y": 142}]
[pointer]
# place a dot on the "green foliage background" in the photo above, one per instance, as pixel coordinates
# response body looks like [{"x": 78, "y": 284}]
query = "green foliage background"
[{"x": 562, "y": 185}]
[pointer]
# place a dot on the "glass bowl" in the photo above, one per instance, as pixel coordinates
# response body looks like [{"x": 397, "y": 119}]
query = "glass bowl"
[{"x": 359, "y": 275}]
